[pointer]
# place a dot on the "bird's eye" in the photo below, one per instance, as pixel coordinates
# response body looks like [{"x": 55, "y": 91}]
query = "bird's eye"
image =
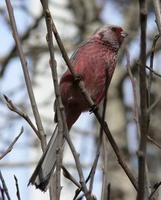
[{"x": 114, "y": 29}]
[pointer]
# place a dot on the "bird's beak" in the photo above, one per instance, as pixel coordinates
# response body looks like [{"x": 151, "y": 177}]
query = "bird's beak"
[{"x": 124, "y": 34}]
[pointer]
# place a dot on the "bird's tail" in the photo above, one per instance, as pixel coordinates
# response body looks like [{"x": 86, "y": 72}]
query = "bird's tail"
[{"x": 46, "y": 165}]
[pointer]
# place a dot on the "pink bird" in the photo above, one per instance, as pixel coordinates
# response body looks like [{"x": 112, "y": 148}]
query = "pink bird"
[{"x": 95, "y": 61}]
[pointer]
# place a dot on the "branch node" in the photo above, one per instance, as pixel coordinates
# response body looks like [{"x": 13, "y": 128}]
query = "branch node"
[
  {"x": 140, "y": 154},
  {"x": 47, "y": 13}
]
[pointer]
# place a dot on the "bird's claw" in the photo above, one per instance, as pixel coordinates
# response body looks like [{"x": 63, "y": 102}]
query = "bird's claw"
[
  {"x": 93, "y": 108},
  {"x": 78, "y": 77}
]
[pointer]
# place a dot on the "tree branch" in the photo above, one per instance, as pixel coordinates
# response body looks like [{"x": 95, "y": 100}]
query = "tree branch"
[
  {"x": 15, "y": 109},
  {"x": 9, "y": 149},
  {"x": 12, "y": 52},
  {"x": 26, "y": 74},
  {"x": 143, "y": 103},
  {"x": 157, "y": 8},
  {"x": 4, "y": 186},
  {"x": 17, "y": 188},
  {"x": 60, "y": 106}
]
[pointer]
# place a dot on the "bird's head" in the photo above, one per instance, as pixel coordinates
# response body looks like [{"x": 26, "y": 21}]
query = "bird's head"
[{"x": 114, "y": 35}]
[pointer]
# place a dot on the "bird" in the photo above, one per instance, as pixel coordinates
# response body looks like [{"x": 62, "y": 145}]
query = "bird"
[{"x": 94, "y": 61}]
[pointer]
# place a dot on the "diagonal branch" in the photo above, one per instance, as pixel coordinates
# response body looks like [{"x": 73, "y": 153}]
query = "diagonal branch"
[
  {"x": 4, "y": 186},
  {"x": 157, "y": 8},
  {"x": 154, "y": 142},
  {"x": 154, "y": 72},
  {"x": 67, "y": 175},
  {"x": 153, "y": 105},
  {"x": 12, "y": 52},
  {"x": 154, "y": 194},
  {"x": 9, "y": 149},
  {"x": 26, "y": 74},
  {"x": 15, "y": 109},
  {"x": 59, "y": 102}
]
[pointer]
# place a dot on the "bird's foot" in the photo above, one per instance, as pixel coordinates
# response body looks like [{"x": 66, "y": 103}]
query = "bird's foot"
[
  {"x": 78, "y": 78},
  {"x": 93, "y": 108}
]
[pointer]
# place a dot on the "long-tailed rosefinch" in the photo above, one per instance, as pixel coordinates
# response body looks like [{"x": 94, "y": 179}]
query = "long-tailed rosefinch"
[{"x": 94, "y": 61}]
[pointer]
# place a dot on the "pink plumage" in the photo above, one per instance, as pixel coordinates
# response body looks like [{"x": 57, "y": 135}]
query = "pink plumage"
[{"x": 95, "y": 62}]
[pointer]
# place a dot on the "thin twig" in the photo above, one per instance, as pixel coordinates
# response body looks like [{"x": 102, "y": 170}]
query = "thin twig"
[
  {"x": 94, "y": 166},
  {"x": 59, "y": 152},
  {"x": 109, "y": 192},
  {"x": 154, "y": 142},
  {"x": 91, "y": 173},
  {"x": 9, "y": 149},
  {"x": 4, "y": 186},
  {"x": 67, "y": 175},
  {"x": 26, "y": 75},
  {"x": 104, "y": 179},
  {"x": 156, "y": 102},
  {"x": 105, "y": 156},
  {"x": 157, "y": 8},
  {"x": 154, "y": 72},
  {"x": 17, "y": 188},
  {"x": 151, "y": 74},
  {"x": 60, "y": 105},
  {"x": 53, "y": 65},
  {"x": 93, "y": 170},
  {"x": 150, "y": 78},
  {"x": 21, "y": 113},
  {"x": 23, "y": 37},
  {"x": 95, "y": 111},
  {"x": 155, "y": 190},
  {"x": 133, "y": 82},
  {"x": 2, "y": 193},
  {"x": 143, "y": 103},
  {"x": 136, "y": 107}
]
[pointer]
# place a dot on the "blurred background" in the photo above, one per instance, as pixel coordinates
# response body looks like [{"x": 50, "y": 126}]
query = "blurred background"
[{"x": 76, "y": 20}]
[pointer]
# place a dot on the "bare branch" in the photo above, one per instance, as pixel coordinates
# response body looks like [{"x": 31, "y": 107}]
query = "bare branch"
[
  {"x": 104, "y": 181},
  {"x": 157, "y": 8},
  {"x": 67, "y": 174},
  {"x": 153, "y": 142},
  {"x": 59, "y": 102},
  {"x": 151, "y": 75},
  {"x": 4, "y": 186},
  {"x": 154, "y": 72},
  {"x": 15, "y": 109},
  {"x": 154, "y": 194},
  {"x": 26, "y": 74},
  {"x": 143, "y": 103},
  {"x": 2, "y": 193},
  {"x": 156, "y": 102},
  {"x": 133, "y": 82},
  {"x": 53, "y": 66},
  {"x": 9, "y": 149},
  {"x": 17, "y": 188},
  {"x": 109, "y": 191},
  {"x": 25, "y": 36}
]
